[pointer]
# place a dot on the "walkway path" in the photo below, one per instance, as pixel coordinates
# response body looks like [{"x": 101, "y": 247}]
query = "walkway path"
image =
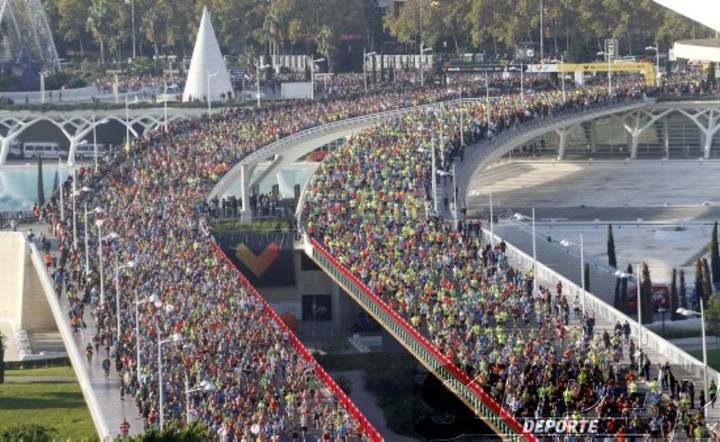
[{"x": 39, "y": 379}]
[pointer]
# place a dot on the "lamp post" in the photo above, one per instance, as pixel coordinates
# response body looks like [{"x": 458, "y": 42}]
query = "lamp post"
[
  {"x": 97, "y": 211},
  {"x": 60, "y": 190},
  {"x": 365, "y": 55},
  {"x": 165, "y": 101},
  {"x": 583, "y": 283},
  {"x": 542, "y": 47},
  {"x": 423, "y": 50},
  {"x": 312, "y": 75},
  {"x": 174, "y": 339},
  {"x": 455, "y": 207},
  {"x": 562, "y": 77},
  {"x": 656, "y": 48},
  {"x": 205, "y": 386},
  {"x": 209, "y": 100},
  {"x": 492, "y": 222},
  {"x": 686, "y": 312},
  {"x": 99, "y": 223},
  {"x": 462, "y": 129},
  {"x": 127, "y": 123},
  {"x": 74, "y": 206},
  {"x": 129, "y": 265},
  {"x": 156, "y": 301},
  {"x": 259, "y": 70},
  {"x": 534, "y": 248}
]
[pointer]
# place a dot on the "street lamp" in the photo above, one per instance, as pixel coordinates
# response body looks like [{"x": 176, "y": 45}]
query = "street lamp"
[
  {"x": 97, "y": 211},
  {"x": 312, "y": 76},
  {"x": 608, "y": 55},
  {"x": 209, "y": 100},
  {"x": 455, "y": 207},
  {"x": 621, "y": 274},
  {"x": 365, "y": 55},
  {"x": 462, "y": 129},
  {"x": 204, "y": 386},
  {"x": 99, "y": 223},
  {"x": 656, "y": 48},
  {"x": 128, "y": 265},
  {"x": 686, "y": 312},
  {"x": 127, "y": 124},
  {"x": 155, "y": 300},
  {"x": 566, "y": 243},
  {"x": 259, "y": 69},
  {"x": 423, "y": 50},
  {"x": 176, "y": 338}
]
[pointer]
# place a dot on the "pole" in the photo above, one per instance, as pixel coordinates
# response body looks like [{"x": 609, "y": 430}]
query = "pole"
[
  {"x": 127, "y": 122},
  {"x": 87, "y": 253},
  {"x": 365, "y": 70},
  {"x": 582, "y": 272},
  {"x": 657, "y": 64},
  {"x": 100, "y": 257},
  {"x": 137, "y": 339},
  {"x": 704, "y": 349},
  {"x": 95, "y": 149},
  {"x": 160, "y": 384},
  {"x": 187, "y": 400},
  {"x": 609, "y": 74},
  {"x": 455, "y": 202},
  {"x": 257, "y": 74},
  {"x": 42, "y": 87},
  {"x": 165, "y": 110},
  {"x": 562, "y": 77},
  {"x": 422, "y": 70},
  {"x": 74, "y": 207},
  {"x": 462, "y": 118},
  {"x": 639, "y": 310},
  {"x": 117, "y": 298},
  {"x": 434, "y": 177},
  {"x": 312, "y": 78},
  {"x": 208, "y": 95},
  {"x": 522, "y": 84},
  {"x": 534, "y": 246},
  {"x": 132, "y": 13},
  {"x": 487, "y": 98},
  {"x": 60, "y": 190},
  {"x": 492, "y": 223},
  {"x": 542, "y": 47}
]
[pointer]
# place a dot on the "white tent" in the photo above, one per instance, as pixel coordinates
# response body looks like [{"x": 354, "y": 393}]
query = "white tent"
[{"x": 207, "y": 67}]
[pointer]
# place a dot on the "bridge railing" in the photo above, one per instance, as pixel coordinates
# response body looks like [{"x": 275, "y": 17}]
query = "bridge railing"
[
  {"x": 367, "y": 428},
  {"x": 602, "y": 310},
  {"x": 472, "y": 394}
]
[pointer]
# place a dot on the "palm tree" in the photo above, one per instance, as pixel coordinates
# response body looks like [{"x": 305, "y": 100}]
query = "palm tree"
[
  {"x": 325, "y": 42},
  {"x": 97, "y": 23},
  {"x": 272, "y": 32}
]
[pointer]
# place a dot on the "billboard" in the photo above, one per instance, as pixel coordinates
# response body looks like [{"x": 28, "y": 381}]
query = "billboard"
[{"x": 265, "y": 258}]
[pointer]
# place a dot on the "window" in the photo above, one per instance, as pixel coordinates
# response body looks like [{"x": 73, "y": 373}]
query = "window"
[{"x": 316, "y": 308}]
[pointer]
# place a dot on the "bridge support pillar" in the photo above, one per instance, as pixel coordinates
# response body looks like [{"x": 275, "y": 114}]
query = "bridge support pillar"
[
  {"x": 666, "y": 138},
  {"x": 562, "y": 145},
  {"x": 634, "y": 144},
  {"x": 5, "y": 149},
  {"x": 245, "y": 176},
  {"x": 593, "y": 137}
]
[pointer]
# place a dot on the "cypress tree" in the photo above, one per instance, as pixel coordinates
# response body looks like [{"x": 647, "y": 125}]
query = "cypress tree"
[
  {"x": 612, "y": 260},
  {"x": 624, "y": 295},
  {"x": 40, "y": 185},
  {"x": 674, "y": 299},
  {"x": 715, "y": 255},
  {"x": 699, "y": 292},
  {"x": 586, "y": 270},
  {"x": 646, "y": 296},
  {"x": 683, "y": 290},
  {"x": 617, "y": 303},
  {"x": 707, "y": 285}
]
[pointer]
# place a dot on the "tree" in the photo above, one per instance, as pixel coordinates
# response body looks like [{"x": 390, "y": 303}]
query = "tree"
[
  {"x": 2, "y": 358},
  {"x": 28, "y": 432},
  {"x": 683, "y": 290},
  {"x": 40, "y": 185},
  {"x": 674, "y": 299},
  {"x": 699, "y": 292},
  {"x": 624, "y": 295},
  {"x": 98, "y": 23},
  {"x": 612, "y": 261},
  {"x": 586, "y": 270},
  {"x": 56, "y": 182},
  {"x": 324, "y": 41},
  {"x": 707, "y": 285},
  {"x": 712, "y": 316},
  {"x": 196, "y": 431},
  {"x": 72, "y": 19},
  {"x": 617, "y": 301},
  {"x": 715, "y": 255},
  {"x": 646, "y": 295}
]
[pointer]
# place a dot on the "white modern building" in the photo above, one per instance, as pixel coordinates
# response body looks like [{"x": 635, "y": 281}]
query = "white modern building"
[
  {"x": 207, "y": 77},
  {"x": 705, "y": 12}
]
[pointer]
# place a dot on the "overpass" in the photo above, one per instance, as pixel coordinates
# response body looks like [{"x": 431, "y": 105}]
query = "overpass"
[{"x": 77, "y": 125}]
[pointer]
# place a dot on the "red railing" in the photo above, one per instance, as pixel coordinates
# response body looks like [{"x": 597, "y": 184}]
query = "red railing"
[
  {"x": 329, "y": 382},
  {"x": 429, "y": 347}
]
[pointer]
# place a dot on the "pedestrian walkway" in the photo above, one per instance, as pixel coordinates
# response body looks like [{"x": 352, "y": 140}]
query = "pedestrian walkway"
[
  {"x": 39, "y": 379},
  {"x": 107, "y": 391}
]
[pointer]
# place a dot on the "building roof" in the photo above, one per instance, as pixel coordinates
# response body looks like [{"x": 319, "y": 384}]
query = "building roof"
[{"x": 705, "y": 12}]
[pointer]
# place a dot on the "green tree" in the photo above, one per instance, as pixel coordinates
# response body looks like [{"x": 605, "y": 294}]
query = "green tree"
[
  {"x": 72, "y": 16},
  {"x": 99, "y": 23},
  {"x": 612, "y": 260},
  {"x": 27, "y": 432},
  {"x": 40, "y": 185},
  {"x": 2, "y": 358},
  {"x": 683, "y": 290},
  {"x": 707, "y": 284},
  {"x": 56, "y": 182},
  {"x": 699, "y": 287},
  {"x": 617, "y": 300},
  {"x": 325, "y": 46},
  {"x": 712, "y": 315},
  {"x": 674, "y": 298},
  {"x": 646, "y": 294}
]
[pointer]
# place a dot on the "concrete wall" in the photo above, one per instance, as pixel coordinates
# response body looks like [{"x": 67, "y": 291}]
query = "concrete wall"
[
  {"x": 22, "y": 300},
  {"x": 12, "y": 261}
]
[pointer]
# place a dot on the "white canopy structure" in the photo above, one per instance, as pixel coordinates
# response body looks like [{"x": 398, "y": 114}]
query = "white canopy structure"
[
  {"x": 207, "y": 76},
  {"x": 24, "y": 31},
  {"x": 705, "y": 12}
]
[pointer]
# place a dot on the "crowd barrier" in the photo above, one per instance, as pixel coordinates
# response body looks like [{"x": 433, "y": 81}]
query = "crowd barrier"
[
  {"x": 603, "y": 311},
  {"x": 325, "y": 378},
  {"x": 472, "y": 394}
]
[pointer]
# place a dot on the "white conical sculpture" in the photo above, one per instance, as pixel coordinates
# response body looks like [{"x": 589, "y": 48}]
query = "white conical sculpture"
[{"x": 207, "y": 67}]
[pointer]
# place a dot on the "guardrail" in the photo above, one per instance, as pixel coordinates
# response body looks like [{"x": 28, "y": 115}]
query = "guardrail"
[
  {"x": 73, "y": 352},
  {"x": 602, "y": 310},
  {"x": 327, "y": 380},
  {"x": 472, "y": 394},
  {"x": 277, "y": 147}
]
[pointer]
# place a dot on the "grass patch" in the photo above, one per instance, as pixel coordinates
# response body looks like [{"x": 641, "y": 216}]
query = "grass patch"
[
  {"x": 58, "y": 406},
  {"x": 63, "y": 371}
]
